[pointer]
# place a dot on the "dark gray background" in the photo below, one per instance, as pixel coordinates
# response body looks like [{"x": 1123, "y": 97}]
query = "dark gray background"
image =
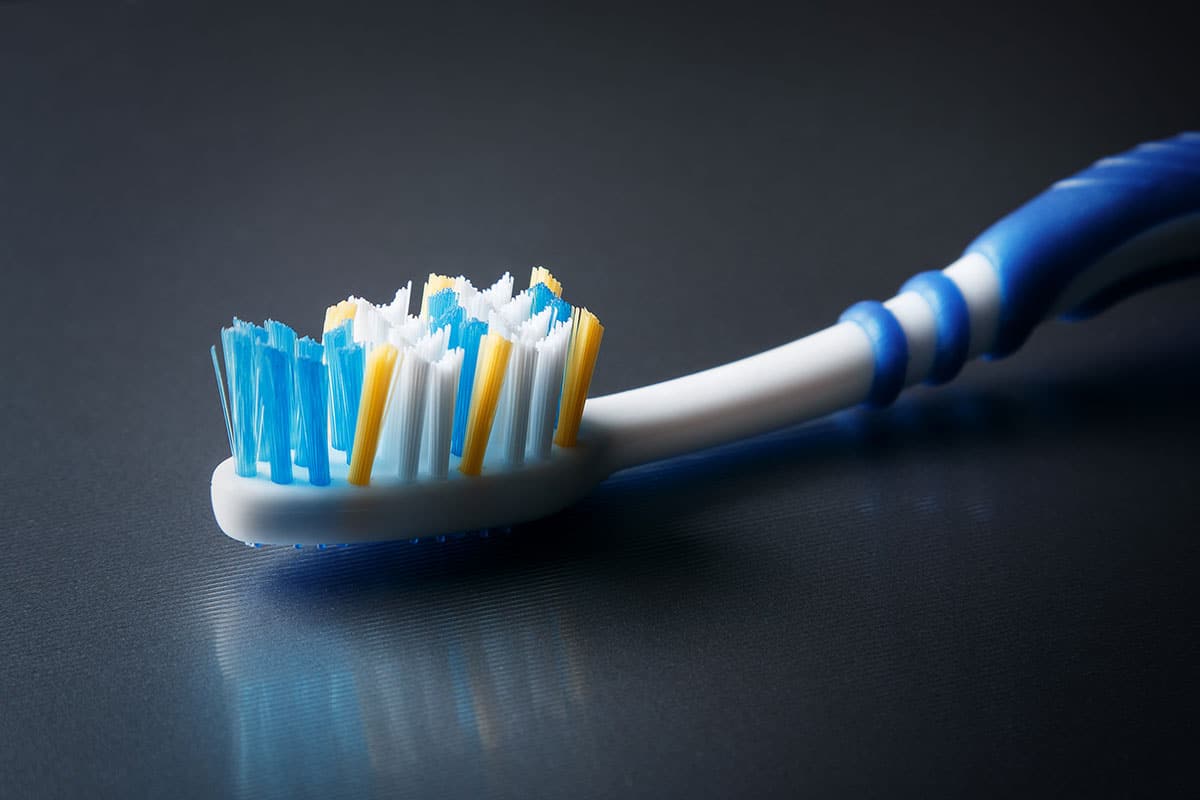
[{"x": 989, "y": 588}]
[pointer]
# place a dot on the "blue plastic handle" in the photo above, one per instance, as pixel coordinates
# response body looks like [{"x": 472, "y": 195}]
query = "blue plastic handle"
[{"x": 1041, "y": 247}]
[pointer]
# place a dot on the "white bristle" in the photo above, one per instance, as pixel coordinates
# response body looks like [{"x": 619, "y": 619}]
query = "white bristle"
[
  {"x": 407, "y": 332},
  {"x": 516, "y": 310},
  {"x": 387, "y": 454},
  {"x": 536, "y": 326},
  {"x": 547, "y": 382},
  {"x": 410, "y": 413},
  {"x": 498, "y": 325},
  {"x": 439, "y": 412},
  {"x": 396, "y": 311},
  {"x": 518, "y": 388},
  {"x": 464, "y": 288},
  {"x": 370, "y": 327},
  {"x": 477, "y": 306},
  {"x": 499, "y": 292},
  {"x": 432, "y": 346}
]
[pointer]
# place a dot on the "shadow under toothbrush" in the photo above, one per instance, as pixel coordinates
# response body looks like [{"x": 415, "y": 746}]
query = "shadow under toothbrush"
[{"x": 655, "y": 517}]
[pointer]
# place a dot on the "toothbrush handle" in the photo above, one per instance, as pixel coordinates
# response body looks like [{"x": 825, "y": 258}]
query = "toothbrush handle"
[
  {"x": 1123, "y": 224},
  {"x": 1075, "y": 248}
]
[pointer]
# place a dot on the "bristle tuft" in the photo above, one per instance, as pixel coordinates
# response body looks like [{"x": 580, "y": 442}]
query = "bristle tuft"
[
  {"x": 473, "y": 331},
  {"x": 434, "y": 284},
  {"x": 494, "y": 351},
  {"x": 581, "y": 361},
  {"x": 439, "y": 413},
  {"x": 376, "y": 381},
  {"x": 547, "y": 384},
  {"x": 476, "y": 371},
  {"x": 542, "y": 275}
]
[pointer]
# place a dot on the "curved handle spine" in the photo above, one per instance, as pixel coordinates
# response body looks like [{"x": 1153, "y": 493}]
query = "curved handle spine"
[{"x": 1108, "y": 224}]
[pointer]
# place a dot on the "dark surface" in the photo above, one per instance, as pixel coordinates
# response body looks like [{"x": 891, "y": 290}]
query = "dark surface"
[{"x": 989, "y": 588}]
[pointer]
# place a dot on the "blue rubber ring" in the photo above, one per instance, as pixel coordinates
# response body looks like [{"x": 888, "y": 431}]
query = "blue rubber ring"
[
  {"x": 890, "y": 346},
  {"x": 951, "y": 318}
]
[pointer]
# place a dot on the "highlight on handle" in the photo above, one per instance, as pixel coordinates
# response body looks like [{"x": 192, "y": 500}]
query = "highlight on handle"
[{"x": 477, "y": 376}]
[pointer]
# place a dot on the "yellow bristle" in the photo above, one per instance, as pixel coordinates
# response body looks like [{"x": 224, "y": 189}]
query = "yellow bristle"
[
  {"x": 581, "y": 361},
  {"x": 542, "y": 275},
  {"x": 377, "y": 379},
  {"x": 494, "y": 350},
  {"x": 337, "y": 314},
  {"x": 433, "y": 285}
]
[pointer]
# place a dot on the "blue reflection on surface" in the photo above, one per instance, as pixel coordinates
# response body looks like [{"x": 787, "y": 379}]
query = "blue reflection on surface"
[{"x": 346, "y": 691}]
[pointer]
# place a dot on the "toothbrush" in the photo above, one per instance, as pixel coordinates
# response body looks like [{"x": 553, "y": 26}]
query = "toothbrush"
[{"x": 1125, "y": 223}]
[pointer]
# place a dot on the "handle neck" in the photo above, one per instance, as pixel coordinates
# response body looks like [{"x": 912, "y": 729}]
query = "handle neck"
[{"x": 808, "y": 378}]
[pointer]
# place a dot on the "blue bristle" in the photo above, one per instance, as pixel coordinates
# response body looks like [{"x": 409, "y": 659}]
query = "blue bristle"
[
  {"x": 275, "y": 409},
  {"x": 283, "y": 338},
  {"x": 541, "y": 297},
  {"x": 224, "y": 399},
  {"x": 298, "y": 546},
  {"x": 313, "y": 381},
  {"x": 561, "y": 312},
  {"x": 237, "y": 342},
  {"x": 453, "y": 319},
  {"x": 304, "y": 349},
  {"x": 472, "y": 332},
  {"x": 346, "y": 365},
  {"x": 441, "y": 302}
]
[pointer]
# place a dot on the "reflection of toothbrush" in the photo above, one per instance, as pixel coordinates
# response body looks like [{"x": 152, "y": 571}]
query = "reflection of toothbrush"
[{"x": 1123, "y": 224}]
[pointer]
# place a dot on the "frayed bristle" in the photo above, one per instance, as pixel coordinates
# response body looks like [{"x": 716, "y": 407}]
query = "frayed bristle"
[
  {"x": 338, "y": 313},
  {"x": 542, "y": 275},
  {"x": 434, "y": 284},
  {"x": 481, "y": 375}
]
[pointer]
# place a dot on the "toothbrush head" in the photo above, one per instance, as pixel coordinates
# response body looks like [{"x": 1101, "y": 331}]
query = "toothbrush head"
[
  {"x": 396, "y": 426},
  {"x": 259, "y": 511}
]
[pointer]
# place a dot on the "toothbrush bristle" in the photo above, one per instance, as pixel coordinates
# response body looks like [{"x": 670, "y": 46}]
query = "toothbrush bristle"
[
  {"x": 338, "y": 313},
  {"x": 472, "y": 333},
  {"x": 439, "y": 413},
  {"x": 479, "y": 374},
  {"x": 541, "y": 275},
  {"x": 377, "y": 380},
  {"x": 237, "y": 342},
  {"x": 345, "y": 361},
  {"x": 581, "y": 361},
  {"x": 276, "y": 409},
  {"x": 312, "y": 449},
  {"x": 547, "y": 385},
  {"x": 434, "y": 284},
  {"x": 494, "y": 350}
]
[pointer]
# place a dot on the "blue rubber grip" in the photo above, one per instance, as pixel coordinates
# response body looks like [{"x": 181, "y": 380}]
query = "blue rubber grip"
[
  {"x": 890, "y": 347},
  {"x": 952, "y": 321},
  {"x": 1041, "y": 247}
]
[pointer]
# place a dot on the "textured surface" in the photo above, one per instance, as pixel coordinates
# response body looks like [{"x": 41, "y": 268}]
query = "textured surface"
[{"x": 989, "y": 588}]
